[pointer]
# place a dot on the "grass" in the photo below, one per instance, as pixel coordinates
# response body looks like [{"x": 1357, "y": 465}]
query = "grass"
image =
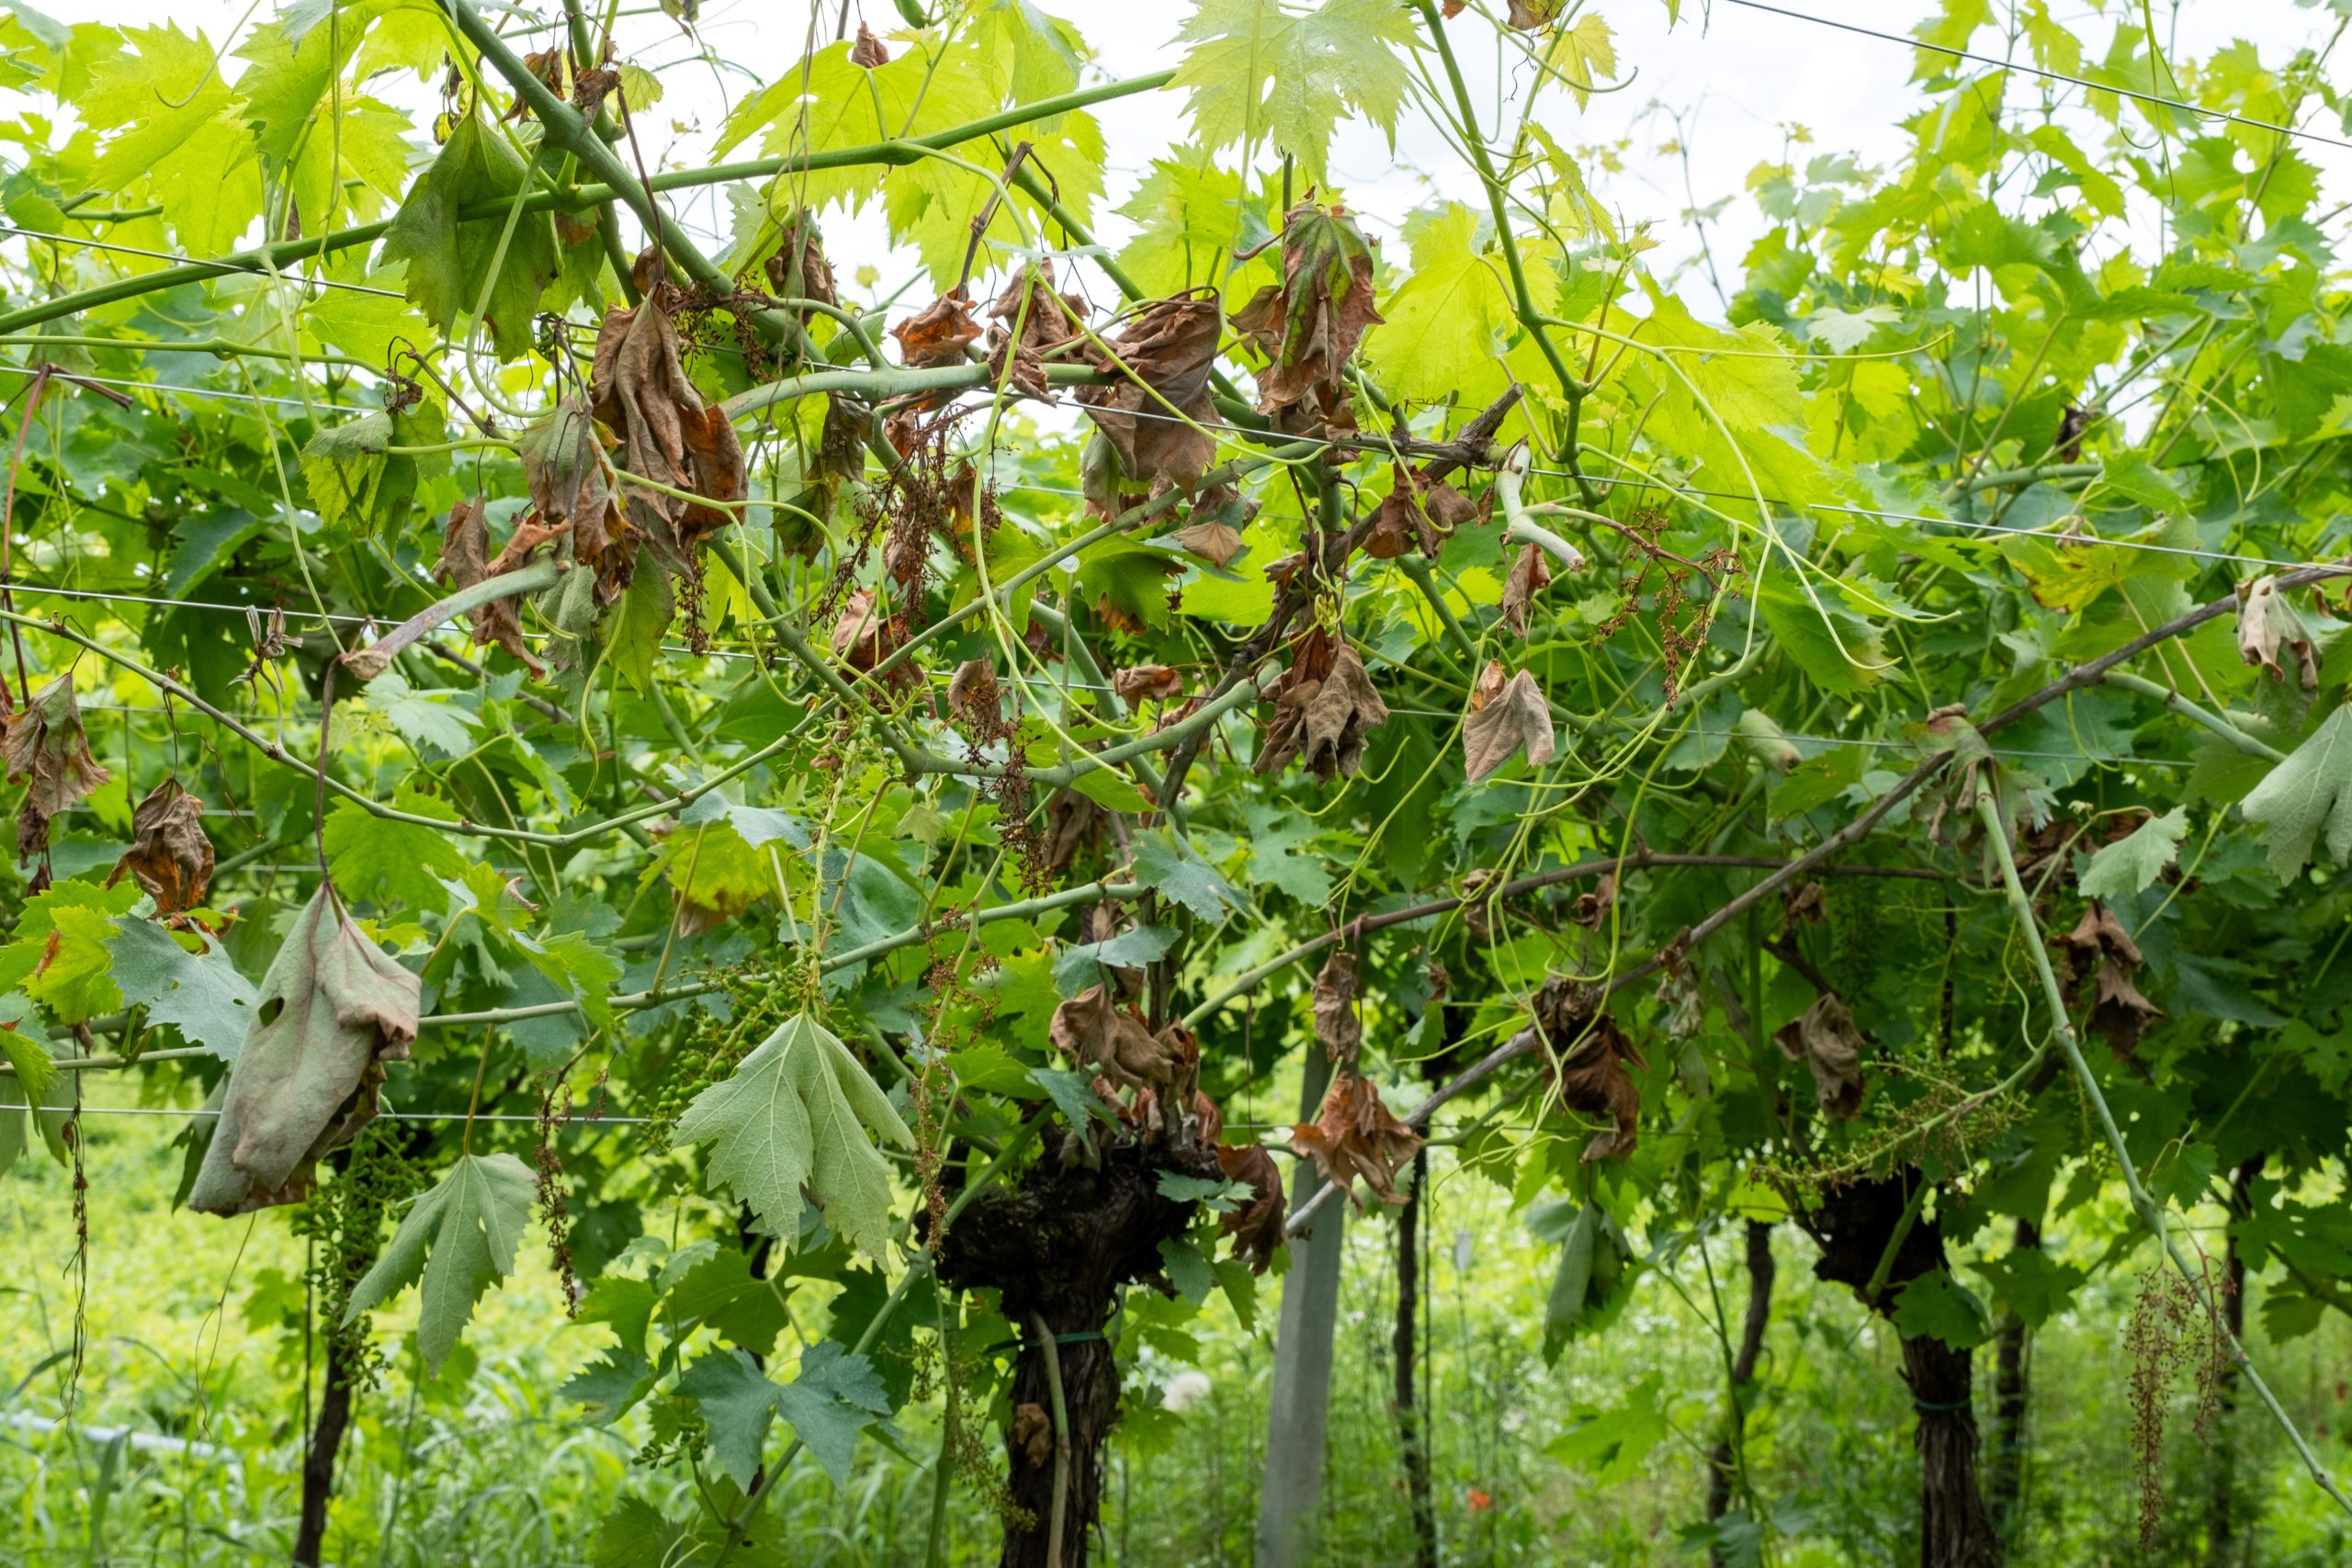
[{"x": 192, "y": 1328}]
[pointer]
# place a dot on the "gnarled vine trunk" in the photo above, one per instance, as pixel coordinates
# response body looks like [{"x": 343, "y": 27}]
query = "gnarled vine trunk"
[
  {"x": 1858, "y": 1225},
  {"x": 326, "y": 1442},
  {"x": 1058, "y": 1246},
  {"x": 2012, "y": 1395},
  {"x": 1409, "y": 1417}
]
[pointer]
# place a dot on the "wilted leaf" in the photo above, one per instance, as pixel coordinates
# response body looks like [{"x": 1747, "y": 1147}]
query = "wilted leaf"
[
  {"x": 46, "y": 750},
  {"x": 868, "y": 51},
  {"x": 457, "y": 1239},
  {"x": 667, "y": 432},
  {"x": 2119, "y": 1014},
  {"x": 1505, "y": 717},
  {"x": 1342, "y": 711},
  {"x": 1355, "y": 1135},
  {"x": 1531, "y": 573},
  {"x": 1416, "y": 512},
  {"x": 973, "y": 696},
  {"x": 1310, "y": 326},
  {"x": 1592, "y": 1076},
  {"x": 2268, "y": 625},
  {"x": 1107, "y": 1041},
  {"x": 1164, "y": 355},
  {"x": 799, "y": 269},
  {"x": 449, "y": 258},
  {"x": 938, "y": 334},
  {"x": 1214, "y": 542},
  {"x": 788, "y": 1118},
  {"x": 169, "y": 855},
  {"x": 1256, "y": 1226},
  {"x": 570, "y": 480},
  {"x": 1336, "y": 1024},
  {"x": 1824, "y": 1039},
  {"x": 1147, "y": 684},
  {"x": 333, "y": 1007},
  {"x": 465, "y": 543}
]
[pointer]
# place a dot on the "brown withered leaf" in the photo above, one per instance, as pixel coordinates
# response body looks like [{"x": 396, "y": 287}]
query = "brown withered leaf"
[
  {"x": 1355, "y": 1135},
  {"x": 938, "y": 334},
  {"x": 1308, "y": 326},
  {"x": 1045, "y": 322},
  {"x": 464, "y": 540},
  {"x": 2098, "y": 944},
  {"x": 570, "y": 480},
  {"x": 1164, "y": 355},
  {"x": 46, "y": 750},
  {"x": 869, "y": 50},
  {"x": 1824, "y": 1039},
  {"x": 589, "y": 90},
  {"x": 1256, "y": 1226},
  {"x": 1214, "y": 542},
  {"x": 1507, "y": 716},
  {"x": 1341, "y": 712},
  {"x": 1530, "y": 574},
  {"x": 2267, "y": 626},
  {"x": 1591, "y": 908},
  {"x": 1336, "y": 1024},
  {"x": 169, "y": 855},
  {"x": 1533, "y": 16},
  {"x": 1147, "y": 684},
  {"x": 1808, "y": 902},
  {"x": 799, "y": 270},
  {"x": 332, "y": 1008},
  {"x": 861, "y": 633},
  {"x": 1591, "y": 1076},
  {"x": 1416, "y": 512},
  {"x": 667, "y": 433},
  {"x": 1072, "y": 822},
  {"x": 973, "y": 696},
  {"x": 1032, "y": 1429},
  {"x": 1101, "y": 1036}
]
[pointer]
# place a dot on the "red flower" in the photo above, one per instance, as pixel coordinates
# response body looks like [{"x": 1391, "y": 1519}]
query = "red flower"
[{"x": 1479, "y": 1501}]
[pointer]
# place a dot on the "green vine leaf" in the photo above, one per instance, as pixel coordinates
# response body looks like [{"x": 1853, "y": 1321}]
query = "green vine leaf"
[
  {"x": 455, "y": 1242},
  {"x": 2306, "y": 796},
  {"x": 790, "y": 1116}
]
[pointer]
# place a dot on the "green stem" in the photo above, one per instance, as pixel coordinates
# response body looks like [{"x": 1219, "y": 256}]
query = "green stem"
[
  {"x": 2151, "y": 1213},
  {"x": 2188, "y": 710}
]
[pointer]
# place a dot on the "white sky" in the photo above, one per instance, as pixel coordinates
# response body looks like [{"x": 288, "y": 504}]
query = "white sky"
[{"x": 1738, "y": 78}]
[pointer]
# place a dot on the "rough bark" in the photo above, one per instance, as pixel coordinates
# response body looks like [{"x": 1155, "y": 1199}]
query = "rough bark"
[
  {"x": 1408, "y": 1412},
  {"x": 2012, "y": 1396},
  {"x": 1723, "y": 1457},
  {"x": 1299, "y": 1408},
  {"x": 1856, "y": 1224},
  {"x": 2224, "y": 1547},
  {"x": 1060, "y": 1244}
]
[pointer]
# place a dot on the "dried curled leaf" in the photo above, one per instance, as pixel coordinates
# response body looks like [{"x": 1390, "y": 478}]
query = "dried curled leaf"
[
  {"x": 570, "y": 480},
  {"x": 2119, "y": 1014},
  {"x": 1341, "y": 713},
  {"x": 860, "y": 636},
  {"x": 1592, "y": 1076},
  {"x": 973, "y": 694},
  {"x": 465, "y": 541},
  {"x": 2267, "y": 626},
  {"x": 869, "y": 50},
  {"x": 333, "y": 1007},
  {"x": 1531, "y": 573},
  {"x": 169, "y": 853},
  {"x": 1108, "y": 1040},
  {"x": 46, "y": 751},
  {"x": 1336, "y": 1024},
  {"x": 938, "y": 334},
  {"x": 1256, "y": 1226},
  {"x": 1507, "y": 716},
  {"x": 1355, "y": 1135},
  {"x": 1147, "y": 684},
  {"x": 667, "y": 432},
  {"x": 1029, "y": 321},
  {"x": 1032, "y": 1429},
  {"x": 1164, "y": 356},
  {"x": 799, "y": 270},
  {"x": 1309, "y": 325},
  {"x": 1824, "y": 1039},
  {"x": 1416, "y": 512},
  {"x": 1214, "y": 542}
]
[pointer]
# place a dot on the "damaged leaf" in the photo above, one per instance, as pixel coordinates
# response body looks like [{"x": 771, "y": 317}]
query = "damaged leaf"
[
  {"x": 1147, "y": 684},
  {"x": 465, "y": 542},
  {"x": 570, "y": 480},
  {"x": 2268, "y": 626},
  {"x": 169, "y": 853},
  {"x": 1824, "y": 1039},
  {"x": 1355, "y": 1135},
  {"x": 1164, "y": 355},
  {"x": 1336, "y": 1024},
  {"x": 46, "y": 750},
  {"x": 1308, "y": 326},
  {"x": 2098, "y": 944},
  {"x": 1506, "y": 717},
  {"x": 1104, "y": 1039},
  {"x": 332, "y": 1008},
  {"x": 1344, "y": 710},
  {"x": 667, "y": 433},
  {"x": 1256, "y": 1226},
  {"x": 1530, "y": 574},
  {"x": 1592, "y": 1076}
]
